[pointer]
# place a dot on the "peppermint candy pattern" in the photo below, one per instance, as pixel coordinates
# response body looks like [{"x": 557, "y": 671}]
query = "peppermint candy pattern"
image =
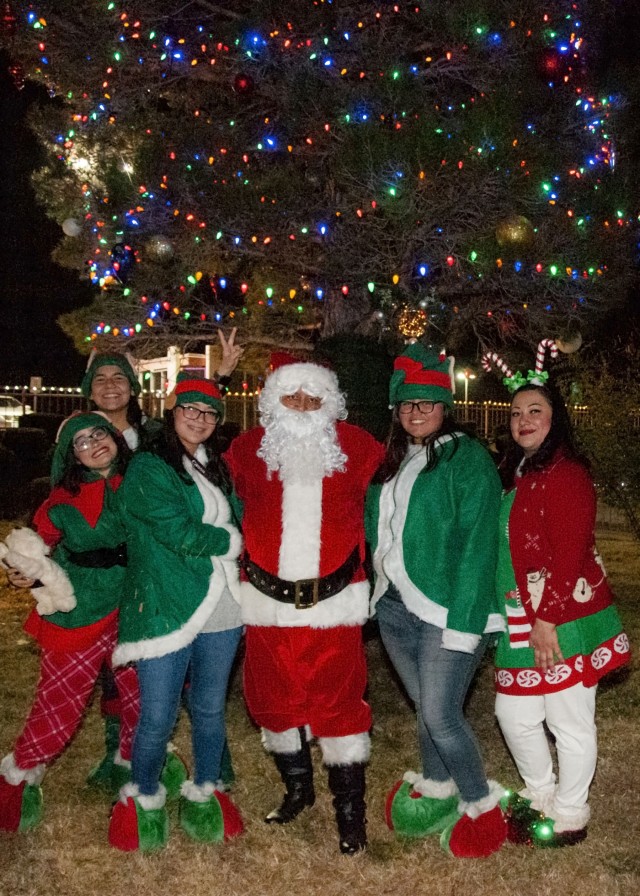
[
  {"x": 529, "y": 678},
  {"x": 621, "y": 643},
  {"x": 600, "y": 658},
  {"x": 560, "y": 673},
  {"x": 504, "y": 679}
]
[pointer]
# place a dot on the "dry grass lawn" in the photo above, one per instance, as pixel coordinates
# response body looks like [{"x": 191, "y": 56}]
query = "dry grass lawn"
[{"x": 69, "y": 855}]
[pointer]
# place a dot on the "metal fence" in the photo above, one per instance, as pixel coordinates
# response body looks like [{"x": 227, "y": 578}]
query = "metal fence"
[{"x": 486, "y": 417}]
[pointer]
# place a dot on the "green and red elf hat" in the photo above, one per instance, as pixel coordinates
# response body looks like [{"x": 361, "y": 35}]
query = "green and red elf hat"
[
  {"x": 69, "y": 428},
  {"x": 422, "y": 373},
  {"x": 114, "y": 359},
  {"x": 190, "y": 387}
]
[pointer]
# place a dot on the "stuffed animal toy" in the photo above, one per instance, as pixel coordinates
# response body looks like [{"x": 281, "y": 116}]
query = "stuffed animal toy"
[{"x": 24, "y": 550}]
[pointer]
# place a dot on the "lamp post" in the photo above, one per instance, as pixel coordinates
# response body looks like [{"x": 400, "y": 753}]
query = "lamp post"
[{"x": 466, "y": 375}]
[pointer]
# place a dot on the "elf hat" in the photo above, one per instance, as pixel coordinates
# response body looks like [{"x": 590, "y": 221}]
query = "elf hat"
[
  {"x": 67, "y": 433},
  {"x": 191, "y": 387},
  {"x": 421, "y": 373},
  {"x": 96, "y": 361}
]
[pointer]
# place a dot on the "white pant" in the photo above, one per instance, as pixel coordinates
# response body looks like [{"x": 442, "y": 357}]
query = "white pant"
[{"x": 570, "y": 716}]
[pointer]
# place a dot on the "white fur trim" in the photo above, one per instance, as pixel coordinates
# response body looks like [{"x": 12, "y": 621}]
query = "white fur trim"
[
  {"x": 541, "y": 800},
  {"x": 197, "y": 793},
  {"x": 461, "y": 642},
  {"x": 349, "y": 607},
  {"x": 301, "y": 527},
  {"x": 570, "y": 822},
  {"x": 15, "y": 775},
  {"x": 438, "y": 790},
  {"x": 281, "y": 741},
  {"x": 157, "y": 801},
  {"x": 149, "y": 648},
  {"x": 486, "y": 804},
  {"x": 345, "y": 750}
]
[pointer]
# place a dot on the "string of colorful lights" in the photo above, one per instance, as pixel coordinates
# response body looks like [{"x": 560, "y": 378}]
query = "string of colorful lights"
[{"x": 260, "y": 105}]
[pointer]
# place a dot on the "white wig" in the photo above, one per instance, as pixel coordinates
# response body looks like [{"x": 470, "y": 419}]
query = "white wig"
[{"x": 314, "y": 380}]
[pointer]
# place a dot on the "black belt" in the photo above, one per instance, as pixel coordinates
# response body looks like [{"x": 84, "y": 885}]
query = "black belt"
[
  {"x": 304, "y": 593},
  {"x": 101, "y": 558}
]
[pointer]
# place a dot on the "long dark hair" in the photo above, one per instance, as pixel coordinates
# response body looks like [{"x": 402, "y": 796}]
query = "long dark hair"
[
  {"x": 75, "y": 473},
  {"x": 167, "y": 446},
  {"x": 397, "y": 444},
  {"x": 560, "y": 436}
]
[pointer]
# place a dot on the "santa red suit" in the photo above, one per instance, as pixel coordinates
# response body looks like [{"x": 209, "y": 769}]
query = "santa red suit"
[
  {"x": 303, "y": 531},
  {"x": 302, "y": 479}
]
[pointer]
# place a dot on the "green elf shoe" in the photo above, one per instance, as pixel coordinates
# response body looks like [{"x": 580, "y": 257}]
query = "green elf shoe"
[
  {"x": 21, "y": 801},
  {"x": 417, "y": 807},
  {"x": 174, "y": 774},
  {"x": 139, "y": 822},
  {"x": 207, "y": 815},
  {"x": 101, "y": 774}
]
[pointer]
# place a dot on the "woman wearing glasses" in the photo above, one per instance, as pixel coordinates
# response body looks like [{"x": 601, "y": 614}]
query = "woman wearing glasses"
[
  {"x": 79, "y": 521},
  {"x": 431, "y": 516},
  {"x": 180, "y": 613}
]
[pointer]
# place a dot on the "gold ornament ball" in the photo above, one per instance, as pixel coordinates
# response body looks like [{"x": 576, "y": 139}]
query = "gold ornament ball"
[
  {"x": 516, "y": 231},
  {"x": 159, "y": 248},
  {"x": 412, "y": 322}
]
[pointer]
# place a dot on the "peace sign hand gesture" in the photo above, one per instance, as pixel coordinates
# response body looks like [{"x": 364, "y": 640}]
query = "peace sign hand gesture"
[{"x": 231, "y": 353}]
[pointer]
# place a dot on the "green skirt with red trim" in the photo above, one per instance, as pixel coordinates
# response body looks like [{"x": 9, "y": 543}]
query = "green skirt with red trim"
[{"x": 592, "y": 647}]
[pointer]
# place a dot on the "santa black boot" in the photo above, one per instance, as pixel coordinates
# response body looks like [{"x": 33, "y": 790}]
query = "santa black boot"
[
  {"x": 296, "y": 772},
  {"x": 347, "y": 784}
]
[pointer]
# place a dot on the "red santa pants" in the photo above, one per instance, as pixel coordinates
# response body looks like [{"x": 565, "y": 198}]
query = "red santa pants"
[
  {"x": 64, "y": 689},
  {"x": 307, "y": 676}
]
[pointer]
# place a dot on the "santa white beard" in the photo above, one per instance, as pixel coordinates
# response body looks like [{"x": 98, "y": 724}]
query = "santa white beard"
[{"x": 302, "y": 446}]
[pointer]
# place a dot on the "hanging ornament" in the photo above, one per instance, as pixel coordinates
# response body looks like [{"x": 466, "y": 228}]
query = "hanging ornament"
[
  {"x": 8, "y": 24},
  {"x": 243, "y": 84},
  {"x": 71, "y": 227},
  {"x": 412, "y": 322},
  {"x": 159, "y": 248},
  {"x": 571, "y": 344},
  {"x": 516, "y": 232}
]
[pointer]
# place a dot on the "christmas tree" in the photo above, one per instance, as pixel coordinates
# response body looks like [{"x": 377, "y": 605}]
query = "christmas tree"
[{"x": 314, "y": 168}]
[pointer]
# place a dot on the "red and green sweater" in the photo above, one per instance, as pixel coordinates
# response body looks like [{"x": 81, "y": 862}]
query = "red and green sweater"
[{"x": 549, "y": 568}]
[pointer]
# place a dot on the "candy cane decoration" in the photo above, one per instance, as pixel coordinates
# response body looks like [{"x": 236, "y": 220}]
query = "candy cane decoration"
[
  {"x": 490, "y": 359},
  {"x": 542, "y": 345}
]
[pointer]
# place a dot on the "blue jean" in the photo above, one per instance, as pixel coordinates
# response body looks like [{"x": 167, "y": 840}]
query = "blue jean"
[
  {"x": 161, "y": 679},
  {"x": 437, "y": 681}
]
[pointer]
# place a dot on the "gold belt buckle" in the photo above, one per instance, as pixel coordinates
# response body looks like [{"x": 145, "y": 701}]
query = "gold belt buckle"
[{"x": 303, "y": 602}]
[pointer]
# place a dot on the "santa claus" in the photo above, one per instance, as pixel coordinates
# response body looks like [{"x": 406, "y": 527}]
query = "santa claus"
[{"x": 302, "y": 477}]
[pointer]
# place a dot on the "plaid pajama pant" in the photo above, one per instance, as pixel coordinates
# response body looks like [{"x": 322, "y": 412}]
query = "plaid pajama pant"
[{"x": 66, "y": 683}]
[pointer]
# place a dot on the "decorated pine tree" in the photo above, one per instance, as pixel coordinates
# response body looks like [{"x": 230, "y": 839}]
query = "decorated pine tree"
[{"x": 318, "y": 168}]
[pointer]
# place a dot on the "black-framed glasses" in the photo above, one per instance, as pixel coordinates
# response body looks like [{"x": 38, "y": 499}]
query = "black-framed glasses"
[
  {"x": 83, "y": 443},
  {"x": 192, "y": 413},
  {"x": 424, "y": 407}
]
